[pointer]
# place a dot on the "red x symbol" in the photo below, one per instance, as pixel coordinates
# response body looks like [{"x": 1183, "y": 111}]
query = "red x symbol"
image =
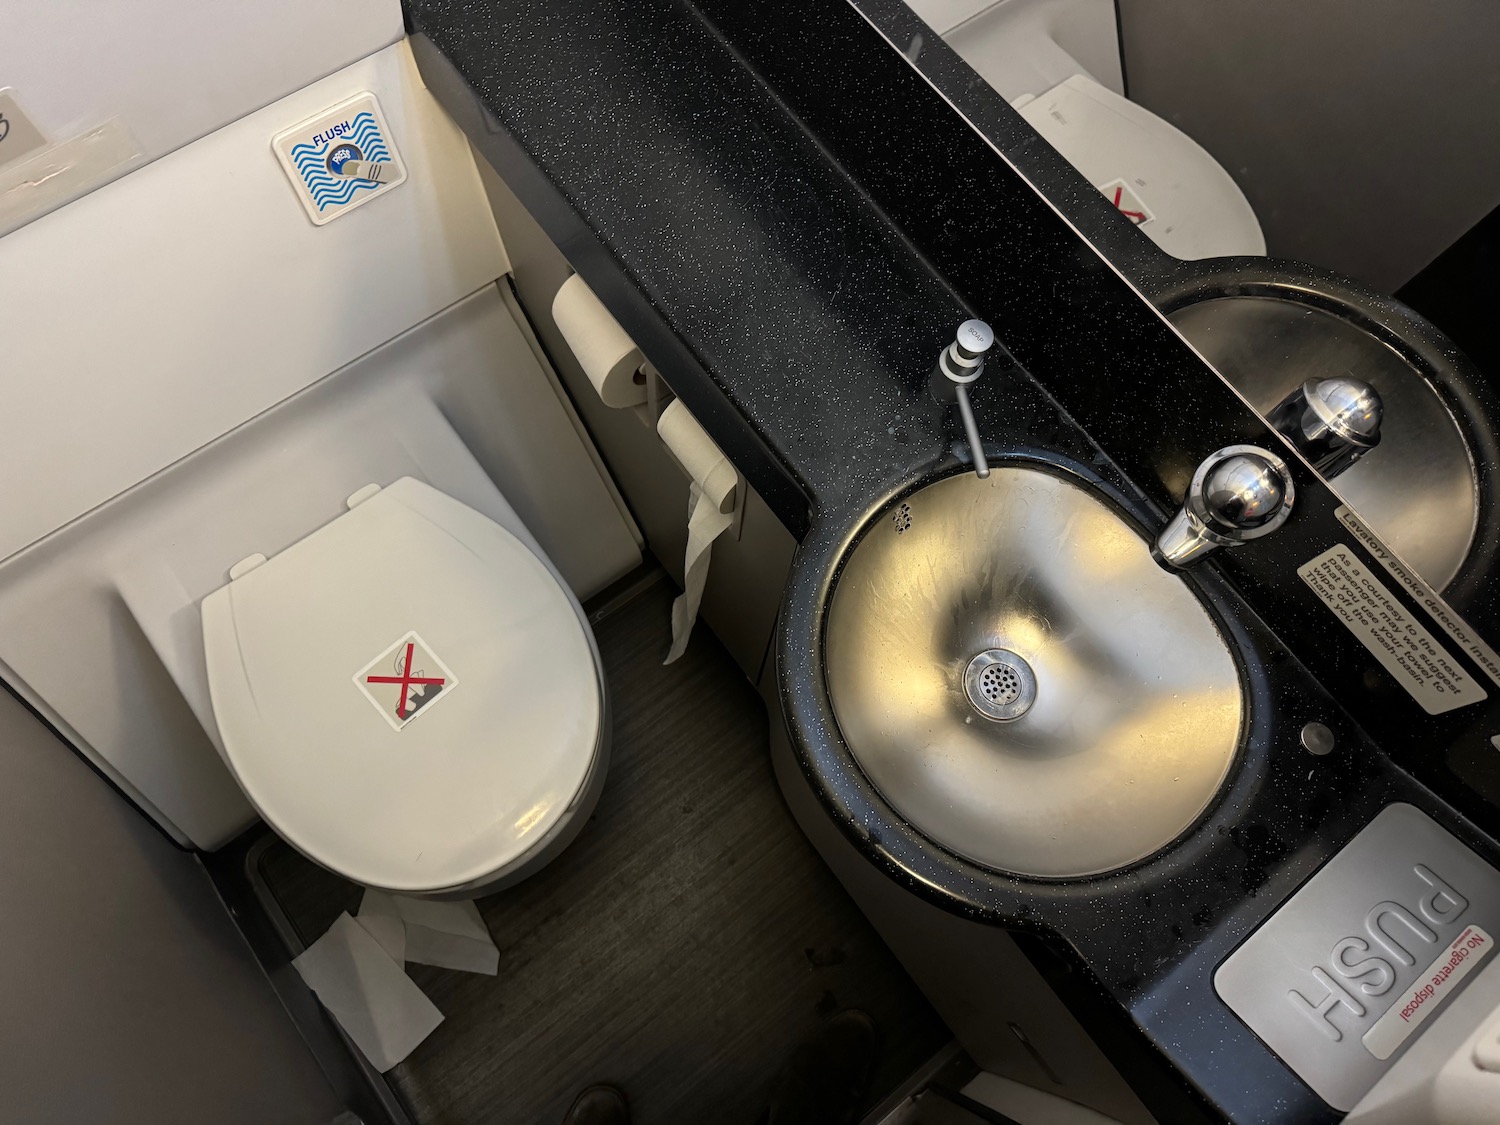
[
  {"x": 1138, "y": 217},
  {"x": 406, "y": 679}
]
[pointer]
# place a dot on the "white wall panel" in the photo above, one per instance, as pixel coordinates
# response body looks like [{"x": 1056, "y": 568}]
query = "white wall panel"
[
  {"x": 157, "y": 313},
  {"x": 167, "y": 72}
]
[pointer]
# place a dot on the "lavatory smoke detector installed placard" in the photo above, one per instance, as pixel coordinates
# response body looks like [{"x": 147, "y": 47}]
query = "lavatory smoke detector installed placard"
[{"x": 340, "y": 159}]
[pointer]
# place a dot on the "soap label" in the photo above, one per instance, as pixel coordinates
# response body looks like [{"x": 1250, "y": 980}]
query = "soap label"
[{"x": 1403, "y": 645}]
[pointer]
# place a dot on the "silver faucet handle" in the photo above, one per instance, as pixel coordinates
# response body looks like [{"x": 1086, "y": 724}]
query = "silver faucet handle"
[
  {"x": 1332, "y": 422},
  {"x": 1243, "y": 493},
  {"x": 1239, "y": 493}
]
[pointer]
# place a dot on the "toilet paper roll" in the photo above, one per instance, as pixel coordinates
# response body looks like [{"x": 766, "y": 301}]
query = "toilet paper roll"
[
  {"x": 699, "y": 457},
  {"x": 608, "y": 357},
  {"x": 711, "y": 502}
]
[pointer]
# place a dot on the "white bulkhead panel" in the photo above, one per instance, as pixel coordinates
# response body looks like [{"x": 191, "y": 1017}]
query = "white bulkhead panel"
[
  {"x": 153, "y": 315},
  {"x": 110, "y": 87}
]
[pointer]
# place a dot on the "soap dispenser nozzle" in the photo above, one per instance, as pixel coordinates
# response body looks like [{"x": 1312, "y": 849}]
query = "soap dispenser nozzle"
[{"x": 961, "y": 363}]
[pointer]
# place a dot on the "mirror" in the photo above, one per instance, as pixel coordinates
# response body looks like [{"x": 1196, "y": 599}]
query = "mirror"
[{"x": 1308, "y": 194}]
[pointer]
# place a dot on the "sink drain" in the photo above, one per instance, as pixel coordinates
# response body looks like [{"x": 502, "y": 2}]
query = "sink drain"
[{"x": 1000, "y": 685}]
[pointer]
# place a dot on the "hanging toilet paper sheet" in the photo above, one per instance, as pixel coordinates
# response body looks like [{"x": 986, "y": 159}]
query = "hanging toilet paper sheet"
[
  {"x": 711, "y": 506},
  {"x": 705, "y": 524},
  {"x": 373, "y": 999}
]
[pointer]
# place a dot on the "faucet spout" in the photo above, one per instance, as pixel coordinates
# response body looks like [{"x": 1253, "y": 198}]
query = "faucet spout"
[
  {"x": 971, "y": 431},
  {"x": 960, "y": 364},
  {"x": 1331, "y": 422},
  {"x": 1239, "y": 493}
]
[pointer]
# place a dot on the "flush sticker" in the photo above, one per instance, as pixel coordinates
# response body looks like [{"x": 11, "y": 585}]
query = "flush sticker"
[
  {"x": 1127, "y": 202},
  {"x": 340, "y": 159},
  {"x": 406, "y": 680}
]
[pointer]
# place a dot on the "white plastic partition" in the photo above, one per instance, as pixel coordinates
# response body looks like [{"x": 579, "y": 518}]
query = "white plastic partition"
[
  {"x": 149, "y": 76},
  {"x": 153, "y": 315}
]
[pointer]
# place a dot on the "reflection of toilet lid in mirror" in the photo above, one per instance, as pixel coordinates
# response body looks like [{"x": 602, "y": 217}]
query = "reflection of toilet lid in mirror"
[
  {"x": 1158, "y": 175},
  {"x": 407, "y": 694}
]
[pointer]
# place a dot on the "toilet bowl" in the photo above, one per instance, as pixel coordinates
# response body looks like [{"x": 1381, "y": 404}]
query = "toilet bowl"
[
  {"x": 1154, "y": 174},
  {"x": 410, "y": 695}
]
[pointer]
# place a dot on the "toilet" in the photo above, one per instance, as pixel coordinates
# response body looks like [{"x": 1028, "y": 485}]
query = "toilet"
[
  {"x": 410, "y": 695},
  {"x": 1154, "y": 174}
]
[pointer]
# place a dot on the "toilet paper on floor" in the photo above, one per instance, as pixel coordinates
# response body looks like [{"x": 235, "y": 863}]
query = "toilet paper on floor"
[
  {"x": 711, "y": 504},
  {"x": 389, "y": 931},
  {"x": 370, "y": 995},
  {"x": 358, "y": 968},
  {"x": 450, "y": 935}
]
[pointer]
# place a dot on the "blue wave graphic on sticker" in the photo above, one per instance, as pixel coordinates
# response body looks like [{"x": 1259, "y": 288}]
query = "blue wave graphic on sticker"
[
  {"x": 328, "y": 190},
  {"x": 334, "y": 198}
]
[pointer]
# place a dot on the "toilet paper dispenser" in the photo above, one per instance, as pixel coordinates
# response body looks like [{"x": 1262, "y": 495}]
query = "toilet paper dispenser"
[
  {"x": 698, "y": 456},
  {"x": 623, "y": 379},
  {"x": 620, "y": 374}
]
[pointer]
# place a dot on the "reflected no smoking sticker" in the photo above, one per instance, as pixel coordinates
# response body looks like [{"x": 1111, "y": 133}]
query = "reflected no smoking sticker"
[
  {"x": 405, "y": 681},
  {"x": 1128, "y": 202}
]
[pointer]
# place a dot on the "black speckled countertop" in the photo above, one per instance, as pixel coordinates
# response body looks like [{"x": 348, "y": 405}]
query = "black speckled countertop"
[
  {"x": 791, "y": 219},
  {"x": 731, "y": 234}
]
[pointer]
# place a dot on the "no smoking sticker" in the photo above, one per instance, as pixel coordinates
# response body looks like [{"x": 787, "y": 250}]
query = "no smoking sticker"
[
  {"x": 1128, "y": 202},
  {"x": 406, "y": 680}
]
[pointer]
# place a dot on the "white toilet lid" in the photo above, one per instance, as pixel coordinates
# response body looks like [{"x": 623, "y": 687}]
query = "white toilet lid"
[
  {"x": 309, "y": 653},
  {"x": 1161, "y": 178}
]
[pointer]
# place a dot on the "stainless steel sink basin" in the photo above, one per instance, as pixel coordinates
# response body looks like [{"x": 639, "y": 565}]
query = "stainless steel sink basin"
[{"x": 1022, "y": 682}]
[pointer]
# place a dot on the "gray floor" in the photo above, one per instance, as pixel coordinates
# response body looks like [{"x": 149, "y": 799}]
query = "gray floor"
[{"x": 677, "y": 949}]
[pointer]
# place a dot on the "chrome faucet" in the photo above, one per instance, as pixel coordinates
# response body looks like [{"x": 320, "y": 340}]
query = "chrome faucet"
[
  {"x": 1331, "y": 422},
  {"x": 1239, "y": 493},
  {"x": 959, "y": 365}
]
